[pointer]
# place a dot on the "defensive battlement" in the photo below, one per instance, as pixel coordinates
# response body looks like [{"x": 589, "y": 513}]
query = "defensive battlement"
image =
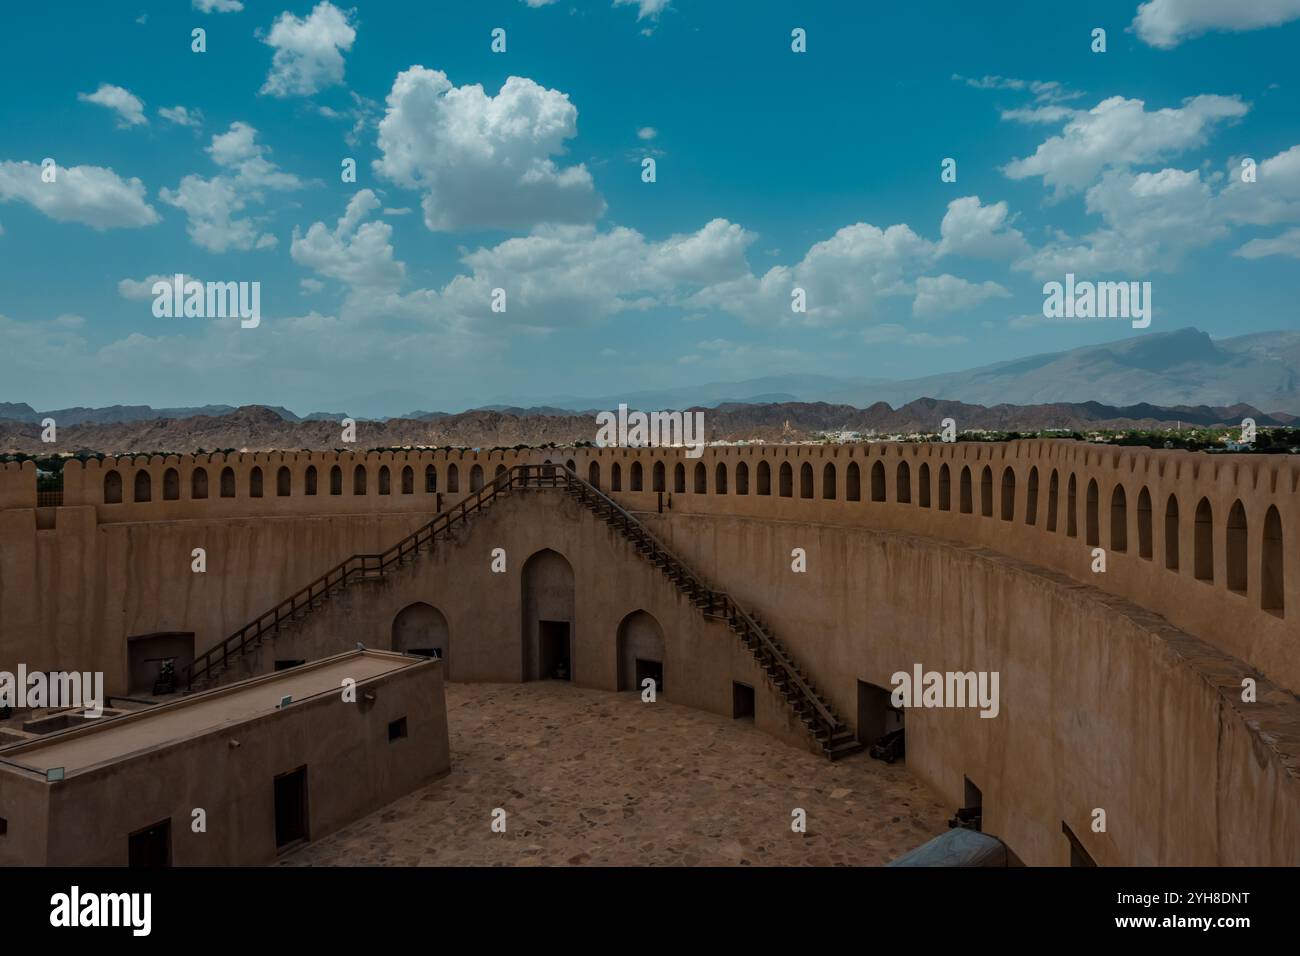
[
  {"x": 1207, "y": 541},
  {"x": 180, "y": 478}
]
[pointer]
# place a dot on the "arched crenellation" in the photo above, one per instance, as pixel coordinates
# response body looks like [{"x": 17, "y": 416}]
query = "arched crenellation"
[
  {"x": 1031, "y": 497},
  {"x": 877, "y": 481},
  {"x": 1258, "y": 549},
  {"x": 1203, "y": 541},
  {"x": 1118, "y": 519}
]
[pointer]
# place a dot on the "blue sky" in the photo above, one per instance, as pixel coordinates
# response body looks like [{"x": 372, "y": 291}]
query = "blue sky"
[{"x": 775, "y": 170}]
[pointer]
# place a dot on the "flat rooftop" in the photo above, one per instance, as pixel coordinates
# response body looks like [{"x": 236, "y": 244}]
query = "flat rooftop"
[{"x": 104, "y": 741}]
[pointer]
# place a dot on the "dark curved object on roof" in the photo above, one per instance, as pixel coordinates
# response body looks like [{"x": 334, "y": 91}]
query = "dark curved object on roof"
[{"x": 958, "y": 847}]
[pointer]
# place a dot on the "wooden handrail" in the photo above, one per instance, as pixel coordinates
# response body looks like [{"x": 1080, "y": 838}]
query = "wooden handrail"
[
  {"x": 522, "y": 476},
  {"x": 733, "y": 607},
  {"x": 353, "y": 565}
]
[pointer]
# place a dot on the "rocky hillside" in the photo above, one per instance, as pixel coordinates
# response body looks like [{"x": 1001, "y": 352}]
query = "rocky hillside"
[{"x": 258, "y": 428}]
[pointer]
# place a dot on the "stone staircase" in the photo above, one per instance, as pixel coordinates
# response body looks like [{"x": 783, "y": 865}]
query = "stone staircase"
[
  {"x": 832, "y": 736},
  {"x": 208, "y": 667},
  {"x": 835, "y": 738}
]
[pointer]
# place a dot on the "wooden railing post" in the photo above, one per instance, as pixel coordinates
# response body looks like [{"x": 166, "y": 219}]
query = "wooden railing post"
[{"x": 716, "y": 603}]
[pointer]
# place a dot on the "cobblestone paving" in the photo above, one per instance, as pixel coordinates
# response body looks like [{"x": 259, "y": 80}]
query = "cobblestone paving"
[{"x": 590, "y": 777}]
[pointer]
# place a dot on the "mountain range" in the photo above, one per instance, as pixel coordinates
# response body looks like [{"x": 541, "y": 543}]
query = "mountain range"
[
  {"x": 1184, "y": 368},
  {"x": 257, "y": 428}
]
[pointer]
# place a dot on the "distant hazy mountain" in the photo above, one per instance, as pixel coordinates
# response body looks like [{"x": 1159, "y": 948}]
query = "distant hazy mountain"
[
  {"x": 110, "y": 414},
  {"x": 121, "y": 414},
  {"x": 771, "y": 389},
  {"x": 18, "y": 412},
  {"x": 254, "y": 428},
  {"x": 1185, "y": 367}
]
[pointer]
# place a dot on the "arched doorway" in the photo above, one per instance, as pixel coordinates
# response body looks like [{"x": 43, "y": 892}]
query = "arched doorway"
[
  {"x": 641, "y": 652},
  {"x": 422, "y": 629},
  {"x": 548, "y": 617}
]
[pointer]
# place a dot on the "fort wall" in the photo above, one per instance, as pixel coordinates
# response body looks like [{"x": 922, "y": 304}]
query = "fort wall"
[
  {"x": 1120, "y": 690},
  {"x": 1103, "y": 705},
  {"x": 485, "y": 611},
  {"x": 1210, "y": 542}
]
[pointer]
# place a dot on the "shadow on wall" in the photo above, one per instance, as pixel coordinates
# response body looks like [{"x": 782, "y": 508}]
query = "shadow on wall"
[
  {"x": 548, "y": 617},
  {"x": 422, "y": 629},
  {"x": 640, "y": 652}
]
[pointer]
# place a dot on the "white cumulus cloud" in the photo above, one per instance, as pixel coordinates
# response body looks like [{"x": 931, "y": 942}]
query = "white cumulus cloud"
[
  {"x": 940, "y": 295},
  {"x": 212, "y": 202},
  {"x": 1151, "y": 220},
  {"x": 1286, "y": 244},
  {"x": 308, "y": 51},
  {"x": 484, "y": 161},
  {"x": 844, "y": 277},
  {"x": 181, "y": 116},
  {"x": 355, "y": 252},
  {"x": 1167, "y": 23},
  {"x": 564, "y": 274},
  {"x": 972, "y": 229},
  {"x": 1274, "y": 196},
  {"x": 1121, "y": 132},
  {"x": 91, "y": 195},
  {"x": 127, "y": 106}
]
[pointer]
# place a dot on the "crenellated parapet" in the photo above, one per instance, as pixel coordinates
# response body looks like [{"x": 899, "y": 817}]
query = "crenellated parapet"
[
  {"x": 179, "y": 487},
  {"x": 1211, "y": 542},
  {"x": 17, "y": 484}
]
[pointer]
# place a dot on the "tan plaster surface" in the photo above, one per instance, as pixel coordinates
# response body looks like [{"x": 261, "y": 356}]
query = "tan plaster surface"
[
  {"x": 184, "y": 717},
  {"x": 589, "y": 777}
]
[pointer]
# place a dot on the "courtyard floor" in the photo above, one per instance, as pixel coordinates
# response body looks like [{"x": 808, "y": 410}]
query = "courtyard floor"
[{"x": 588, "y": 777}]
